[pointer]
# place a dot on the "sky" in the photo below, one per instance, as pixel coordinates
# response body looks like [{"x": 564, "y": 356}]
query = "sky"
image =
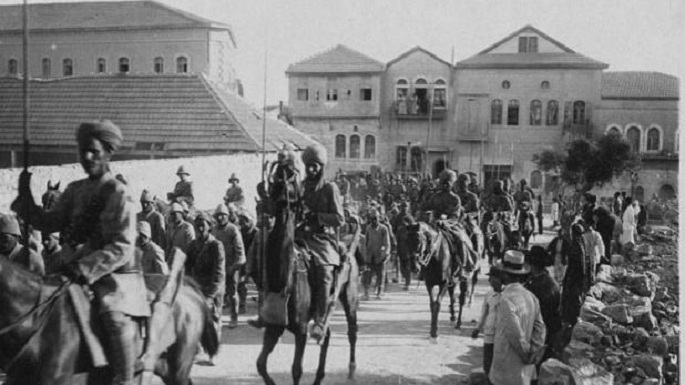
[{"x": 629, "y": 35}]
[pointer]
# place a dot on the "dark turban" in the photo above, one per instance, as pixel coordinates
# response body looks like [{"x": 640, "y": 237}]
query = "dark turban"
[
  {"x": 104, "y": 130},
  {"x": 315, "y": 153}
]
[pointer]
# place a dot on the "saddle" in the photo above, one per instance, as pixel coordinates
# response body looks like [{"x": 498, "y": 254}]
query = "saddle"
[
  {"x": 162, "y": 291},
  {"x": 459, "y": 243}
]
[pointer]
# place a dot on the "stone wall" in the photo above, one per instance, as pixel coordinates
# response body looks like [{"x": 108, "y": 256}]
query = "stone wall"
[{"x": 209, "y": 175}]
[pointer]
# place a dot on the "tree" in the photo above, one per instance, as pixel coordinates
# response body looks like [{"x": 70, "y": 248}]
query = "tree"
[{"x": 587, "y": 164}]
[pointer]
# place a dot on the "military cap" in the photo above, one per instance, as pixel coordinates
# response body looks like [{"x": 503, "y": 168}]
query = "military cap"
[
  {"x": 176, "y": 208},
  {"x": 315, "y": 153},
  {"x": 182, "y": 170},
  {"x": 221, "y": 209},
  {"x": 9, "y": 225},
  {"x": 233, "y": 178},
  {"x": 202, "y": 216},
  {"x": 146, "y": 197}
]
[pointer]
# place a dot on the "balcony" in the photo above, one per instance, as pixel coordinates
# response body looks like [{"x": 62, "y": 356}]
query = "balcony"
[{"x": 421, "y": 111}]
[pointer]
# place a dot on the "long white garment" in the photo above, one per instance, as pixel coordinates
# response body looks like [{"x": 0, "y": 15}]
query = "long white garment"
[
  {"x": 628, "y": 226},
  {"x": 519, "y": 332}
]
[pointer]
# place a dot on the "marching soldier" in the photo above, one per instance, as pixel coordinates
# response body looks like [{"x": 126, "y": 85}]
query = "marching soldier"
[
  {"x": 229, "y": 235},
  {"x": 12, "y": 249},
  {"x": 52, "y": 253},
  {"x": 151, "y": 255},
  {"x": 96, "y": 218},
  {"x": 154, "y": 218},
  {"x": 179, "y": 233}
]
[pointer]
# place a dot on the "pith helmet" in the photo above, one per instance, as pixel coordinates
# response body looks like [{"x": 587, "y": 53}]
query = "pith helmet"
[
  {"x": 9, "y": 225},
  {"x": 176, "y": 208},
  {"x": 233, "y": 178},
  {"x": 146, "y": 196},
  {"x": 221, "y": 209},
  {"x": 182, "y": 170}
]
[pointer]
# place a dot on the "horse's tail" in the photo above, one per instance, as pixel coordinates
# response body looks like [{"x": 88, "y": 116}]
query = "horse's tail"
[{"x": 209, "y": 338}]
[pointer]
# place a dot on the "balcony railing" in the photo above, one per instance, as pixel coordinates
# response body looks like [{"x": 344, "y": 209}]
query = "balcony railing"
[{"x": 421, "y": 111}]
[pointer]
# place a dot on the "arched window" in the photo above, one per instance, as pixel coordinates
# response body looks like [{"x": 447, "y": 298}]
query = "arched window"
[
  {"x": 124, "y": 65},
  {"x": 666, "y": 192},
  {"x": 355, "y": 143},
  {"x": 369, "y": 147},
  {"x": 496, "y": 112},
  {"x": 46, "y": 65},
  {"x": 159, "y": 65},
  {"x": 639, "y": 194},
  {"x": 440, "y": 94},
  {"x": 12, "y": 67},
  {"x": 552, "y": 113},
  {"x": 421, "y": 94},
  {"x": 653, "y": 139},
  {"x": 401, "y": 89},
  {"x": 613, "y": 129},
  {"x": 536, "y": 179},
  {"x": 101, "y": 66},
  {"x": 579, "y": 112},
  {"x": 513, "y": 113},
  {"x": 67, "y": 67},
  {"x": 535, "y": 113},
  {"x": 633, "y": 137},
  {"x": 181, "y": 65},
  {"x": 340, "y": 146}
]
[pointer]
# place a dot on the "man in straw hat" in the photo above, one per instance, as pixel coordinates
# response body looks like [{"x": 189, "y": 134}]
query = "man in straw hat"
[
  {"x": 153, "y": 217},
  {"x": 183, "y": 190},
  {"x": 234, "y": 194},
  {"x": 96, "y": 218},
  {"x": 12, "y": 249},
  {"x": 324, "y": 214},
  {"x": 519, "y": 328},
  {"x": 179, "y": 233}
]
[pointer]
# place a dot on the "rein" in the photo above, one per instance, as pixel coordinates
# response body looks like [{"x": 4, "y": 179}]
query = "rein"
[{"x": 35, "y": 308}]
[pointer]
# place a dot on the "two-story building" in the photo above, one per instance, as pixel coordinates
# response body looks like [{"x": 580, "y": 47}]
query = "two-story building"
[
  {"x": 490, "y": 113},
  {"x": 335, "y": 97},
  {"x": 115, "y": 37}
]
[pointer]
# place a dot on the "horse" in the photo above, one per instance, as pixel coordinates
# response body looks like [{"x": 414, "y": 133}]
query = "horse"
[
  {"x": 51, "y": 195},
  {"x": 288, "y": 270},
  {"x": 431, "y": 248},
  {"x": 496, "y": 236},
  {"x": 41, "y": 342}
]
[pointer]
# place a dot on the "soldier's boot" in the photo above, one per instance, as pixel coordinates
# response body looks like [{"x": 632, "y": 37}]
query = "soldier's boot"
[{"x": 121, "y": 331}]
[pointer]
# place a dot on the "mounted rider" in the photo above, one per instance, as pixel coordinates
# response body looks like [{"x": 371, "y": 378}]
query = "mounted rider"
[
  {"x": 523, "y": 195},
  {"x": 500, "y": 202},
  {"x": 96, "y": 217},
  {"x": 445, "y": 206},
  {"x": 323, "y": 216},
  {"x": 469, "y": 200},
  {"x": 183, "y": 190}
]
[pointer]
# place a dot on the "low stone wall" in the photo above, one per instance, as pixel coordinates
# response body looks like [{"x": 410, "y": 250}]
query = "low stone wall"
[{"x": 209, "y": 175}]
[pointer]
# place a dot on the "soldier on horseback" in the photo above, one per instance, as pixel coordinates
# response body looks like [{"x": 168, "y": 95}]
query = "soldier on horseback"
[
  {"x": 469, "y": 200},
  {"x": 323, "y": 216},
  {"x": 183, "y": 190},
  {"x": 97, "y": 220}
]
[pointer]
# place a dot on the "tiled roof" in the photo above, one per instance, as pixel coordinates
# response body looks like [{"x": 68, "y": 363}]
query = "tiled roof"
[
  {"x": 181, "y": 111},
  {"x": 639, "y": 85},
  {"x": 340, "y": 59},
  {"x": 101, "y": 15},
  {"x": 418, "y": 49},
  {"x": 531, "y": 60}
]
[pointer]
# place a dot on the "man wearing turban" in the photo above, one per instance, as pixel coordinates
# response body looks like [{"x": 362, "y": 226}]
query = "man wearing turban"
[
  {"x": 324, "y": 214},
  {"x": 96, "y": 217}
]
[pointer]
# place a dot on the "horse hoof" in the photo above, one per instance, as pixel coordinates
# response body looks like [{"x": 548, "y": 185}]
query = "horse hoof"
[
  {"x": 433, "y": 340},
  {"x": 352, "y": 369}
]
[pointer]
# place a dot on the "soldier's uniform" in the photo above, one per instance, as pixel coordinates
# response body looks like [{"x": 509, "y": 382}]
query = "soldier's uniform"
[
  {"x": 27, "y": 258},
  {"x": 183, "y": 190},
  {"x": 230, "y": 237},
  {"x": 155, "y": 219},
  {"x": 325, "y": 214},
  {"x": 234, "y": 194},
  {"x": 469, "y": 200},
  {"x": 150, "y": 254},
  {"x": 499, "y": 201},
  {"x": 180, "y": 235}
]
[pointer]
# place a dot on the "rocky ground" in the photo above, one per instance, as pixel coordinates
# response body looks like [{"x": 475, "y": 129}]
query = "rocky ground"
[{"x": 629, "y": 328}]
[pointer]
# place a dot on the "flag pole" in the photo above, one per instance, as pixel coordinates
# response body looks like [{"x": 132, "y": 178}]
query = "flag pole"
[
  {"x": 264, "y": 224},
  {"x": 25, "y": 115}
]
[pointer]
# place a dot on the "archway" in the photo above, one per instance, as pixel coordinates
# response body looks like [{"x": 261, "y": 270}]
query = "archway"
[
  {"x": 438, "y": 166},
  {"x": 666, "y": 192}
]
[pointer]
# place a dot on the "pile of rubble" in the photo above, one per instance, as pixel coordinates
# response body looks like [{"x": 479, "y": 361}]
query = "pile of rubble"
[{"x": 629, "y": 329}]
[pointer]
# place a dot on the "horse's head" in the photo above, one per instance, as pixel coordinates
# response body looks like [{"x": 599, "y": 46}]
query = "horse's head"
[
  {"x": 417, "y": 238},
  {"x": 50, "y": 196}
]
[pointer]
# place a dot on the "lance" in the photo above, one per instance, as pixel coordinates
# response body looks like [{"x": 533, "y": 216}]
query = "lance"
[
  {"x": 264, "y": 224},
  {"x": 25, "y": 117}
]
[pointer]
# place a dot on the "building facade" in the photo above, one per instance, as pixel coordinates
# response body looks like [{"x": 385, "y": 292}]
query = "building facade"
[
  {"x": 522, "y": 95},
  {"x": 127, "y": 37}
]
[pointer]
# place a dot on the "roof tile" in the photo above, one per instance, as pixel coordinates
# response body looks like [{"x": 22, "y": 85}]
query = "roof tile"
[
  {"x": 339, "y": 59},
  {"x": 639, "y": 85}
]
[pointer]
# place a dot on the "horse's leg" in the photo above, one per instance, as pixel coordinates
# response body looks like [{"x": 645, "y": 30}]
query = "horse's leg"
[
  {"x": 271, "y": 336},
  {"x": 433, "y": 297},
  {"x": 321, "y": 370},
  {"x": 450, "y": 292},
  {"x": 474, "y": 281},
  {"x": 463, "y": 290},
  {"x": 300, "y": 344},
  {"x": 349, "y": 298}
]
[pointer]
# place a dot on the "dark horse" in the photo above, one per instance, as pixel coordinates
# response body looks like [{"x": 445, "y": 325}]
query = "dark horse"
[
  {"x": 433, "y": 251},
  {"x": 288, "y": 270},
  {"x": 41, "y": 342},
  {"x": 526, "y": 225}
]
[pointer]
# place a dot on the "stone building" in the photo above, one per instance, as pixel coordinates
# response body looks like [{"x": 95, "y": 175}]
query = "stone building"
[
  {"x": 116, "y": 37},
  {"x": 491, "y": 112},
  {"x": 335, "y": 96}
]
